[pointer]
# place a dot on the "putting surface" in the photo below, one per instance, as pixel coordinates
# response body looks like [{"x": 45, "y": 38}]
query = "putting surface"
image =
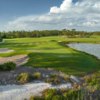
[{"x": 47, "y": 52}]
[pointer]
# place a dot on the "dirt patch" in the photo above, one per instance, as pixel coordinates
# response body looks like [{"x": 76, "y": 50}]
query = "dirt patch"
[
  {"x": 18, "y": 60},
  {"x": 5, "y": 50}
]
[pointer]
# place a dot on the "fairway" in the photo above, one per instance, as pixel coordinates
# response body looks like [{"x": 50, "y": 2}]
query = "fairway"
[{"x": 46, "y": 52}]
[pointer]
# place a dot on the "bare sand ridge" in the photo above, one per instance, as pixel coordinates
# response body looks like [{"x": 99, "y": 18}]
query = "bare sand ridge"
[
  {"x": 18, "y": 59},
  {"x": 5, "y": 50}
]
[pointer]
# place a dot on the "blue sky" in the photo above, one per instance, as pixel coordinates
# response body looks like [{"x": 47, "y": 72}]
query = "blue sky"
[
  {"x": 49, "y": 14},
  {"x": 10, "y": 9},
  {"x": 24, "y": 7}
]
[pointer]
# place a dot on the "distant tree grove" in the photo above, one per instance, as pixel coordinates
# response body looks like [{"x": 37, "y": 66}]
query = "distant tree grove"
[
  {"x": 0, "y": 38},
  {"x": 68, "y": 33}
]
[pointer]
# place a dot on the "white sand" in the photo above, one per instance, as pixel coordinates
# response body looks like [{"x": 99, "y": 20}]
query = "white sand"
[{"x": 20, "y": 92}]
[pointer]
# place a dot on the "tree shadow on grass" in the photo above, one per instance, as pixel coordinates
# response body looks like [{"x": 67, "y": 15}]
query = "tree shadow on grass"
[
  {"x": 13, "y": 45},
  {"x": 71, "y": 63}
]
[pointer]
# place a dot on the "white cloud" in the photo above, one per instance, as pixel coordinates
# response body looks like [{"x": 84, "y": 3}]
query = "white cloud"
[
  {"x": 82, "y": 15},
  {"x": 64, "y": 7}
]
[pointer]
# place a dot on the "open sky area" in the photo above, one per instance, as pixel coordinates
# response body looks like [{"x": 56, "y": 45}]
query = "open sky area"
[{"x": 49, "y": 14}]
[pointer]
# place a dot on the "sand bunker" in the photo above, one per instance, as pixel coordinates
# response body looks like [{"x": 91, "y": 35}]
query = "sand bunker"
[
  {"x": 18, "y": 60},
  {"x": 5, "y": 50}
]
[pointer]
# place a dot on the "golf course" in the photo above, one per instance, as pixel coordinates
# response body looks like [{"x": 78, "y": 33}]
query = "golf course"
[
  {"x": 53, "y": 52},
  {"x": 34, "y": 67},
  {"x": 50, "y": 50}
]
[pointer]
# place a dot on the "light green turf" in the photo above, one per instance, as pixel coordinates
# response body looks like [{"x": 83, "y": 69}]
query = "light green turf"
[{"x": 47, "y": 52}]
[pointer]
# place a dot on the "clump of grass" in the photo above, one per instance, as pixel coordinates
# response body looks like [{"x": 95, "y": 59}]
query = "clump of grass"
[
  {"x": 37, "y": 75},
  {"x": 92, "y": 82},
  {"x": 31, "y": 98},
  {"x": 71, "y": 94},
  {"x": 49, "y": 93},
  {"x": 36, "y": 98},
  {"x": 53, "y": 79},
  {"x": 24, "y": 78}
]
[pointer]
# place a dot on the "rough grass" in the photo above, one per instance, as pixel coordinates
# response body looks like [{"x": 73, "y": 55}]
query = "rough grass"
[{"x": 46, "y": 52}]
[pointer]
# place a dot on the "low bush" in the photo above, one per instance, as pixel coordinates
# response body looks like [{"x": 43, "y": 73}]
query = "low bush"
[
  {"x": 67, "y": 78},
  {"x": 7, "y": 66},
  {"x": 24, "y": 78},
  {"x": 49, "y": 93},
  {"x": 37, "y": 75},
  {"x": 31, "y": 98},
  {"x": 93, "y": 82},
  {"x": 74, "y": 94},
  {"x": 36, "y": 98},
  {"x": 57, "y": 97},
  {"x": 71, "y": 94},
  {"x": 53, "y": 94},
  {"x": 53, "y": 76},
  {"x": 53, "y": 79},
  {"x": 1, "y": 39}
]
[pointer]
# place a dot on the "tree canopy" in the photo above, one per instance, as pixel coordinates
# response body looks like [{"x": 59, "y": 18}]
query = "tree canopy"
[{"x": 68, "y": 33}]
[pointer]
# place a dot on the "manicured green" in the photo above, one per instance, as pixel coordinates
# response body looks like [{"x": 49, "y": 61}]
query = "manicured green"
[{"x": 47, "y": 52}]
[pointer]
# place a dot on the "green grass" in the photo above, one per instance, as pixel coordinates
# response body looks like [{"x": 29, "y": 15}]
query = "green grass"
[
  {"x": 95, "y": 39},
  {"x": 47, "y": 52}
]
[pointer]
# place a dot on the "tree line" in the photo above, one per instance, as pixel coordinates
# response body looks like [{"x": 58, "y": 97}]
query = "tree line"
[{"x": 68, "y": 33}]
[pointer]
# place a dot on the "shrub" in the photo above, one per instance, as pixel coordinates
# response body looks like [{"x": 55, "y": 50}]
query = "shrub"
[
  {"x": 37, "y": 75},
  {"x": 57, "y": 97},
  {"x": 36, "y": 98},
  {"x": 49, "y": 93},
  {"x": 31, "y": 98},
  {"x": 66, "y": 78},
  {"x": 53, "y": 79},
  {"x": 53, "y": 76},
  {"x": 24, "y": 78},
  {"x": 92, "y": 82},
  {"x": 73, "y": 94},
  {"x": 1, "y": 39},
  {"x": 7, "y": 66}
]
